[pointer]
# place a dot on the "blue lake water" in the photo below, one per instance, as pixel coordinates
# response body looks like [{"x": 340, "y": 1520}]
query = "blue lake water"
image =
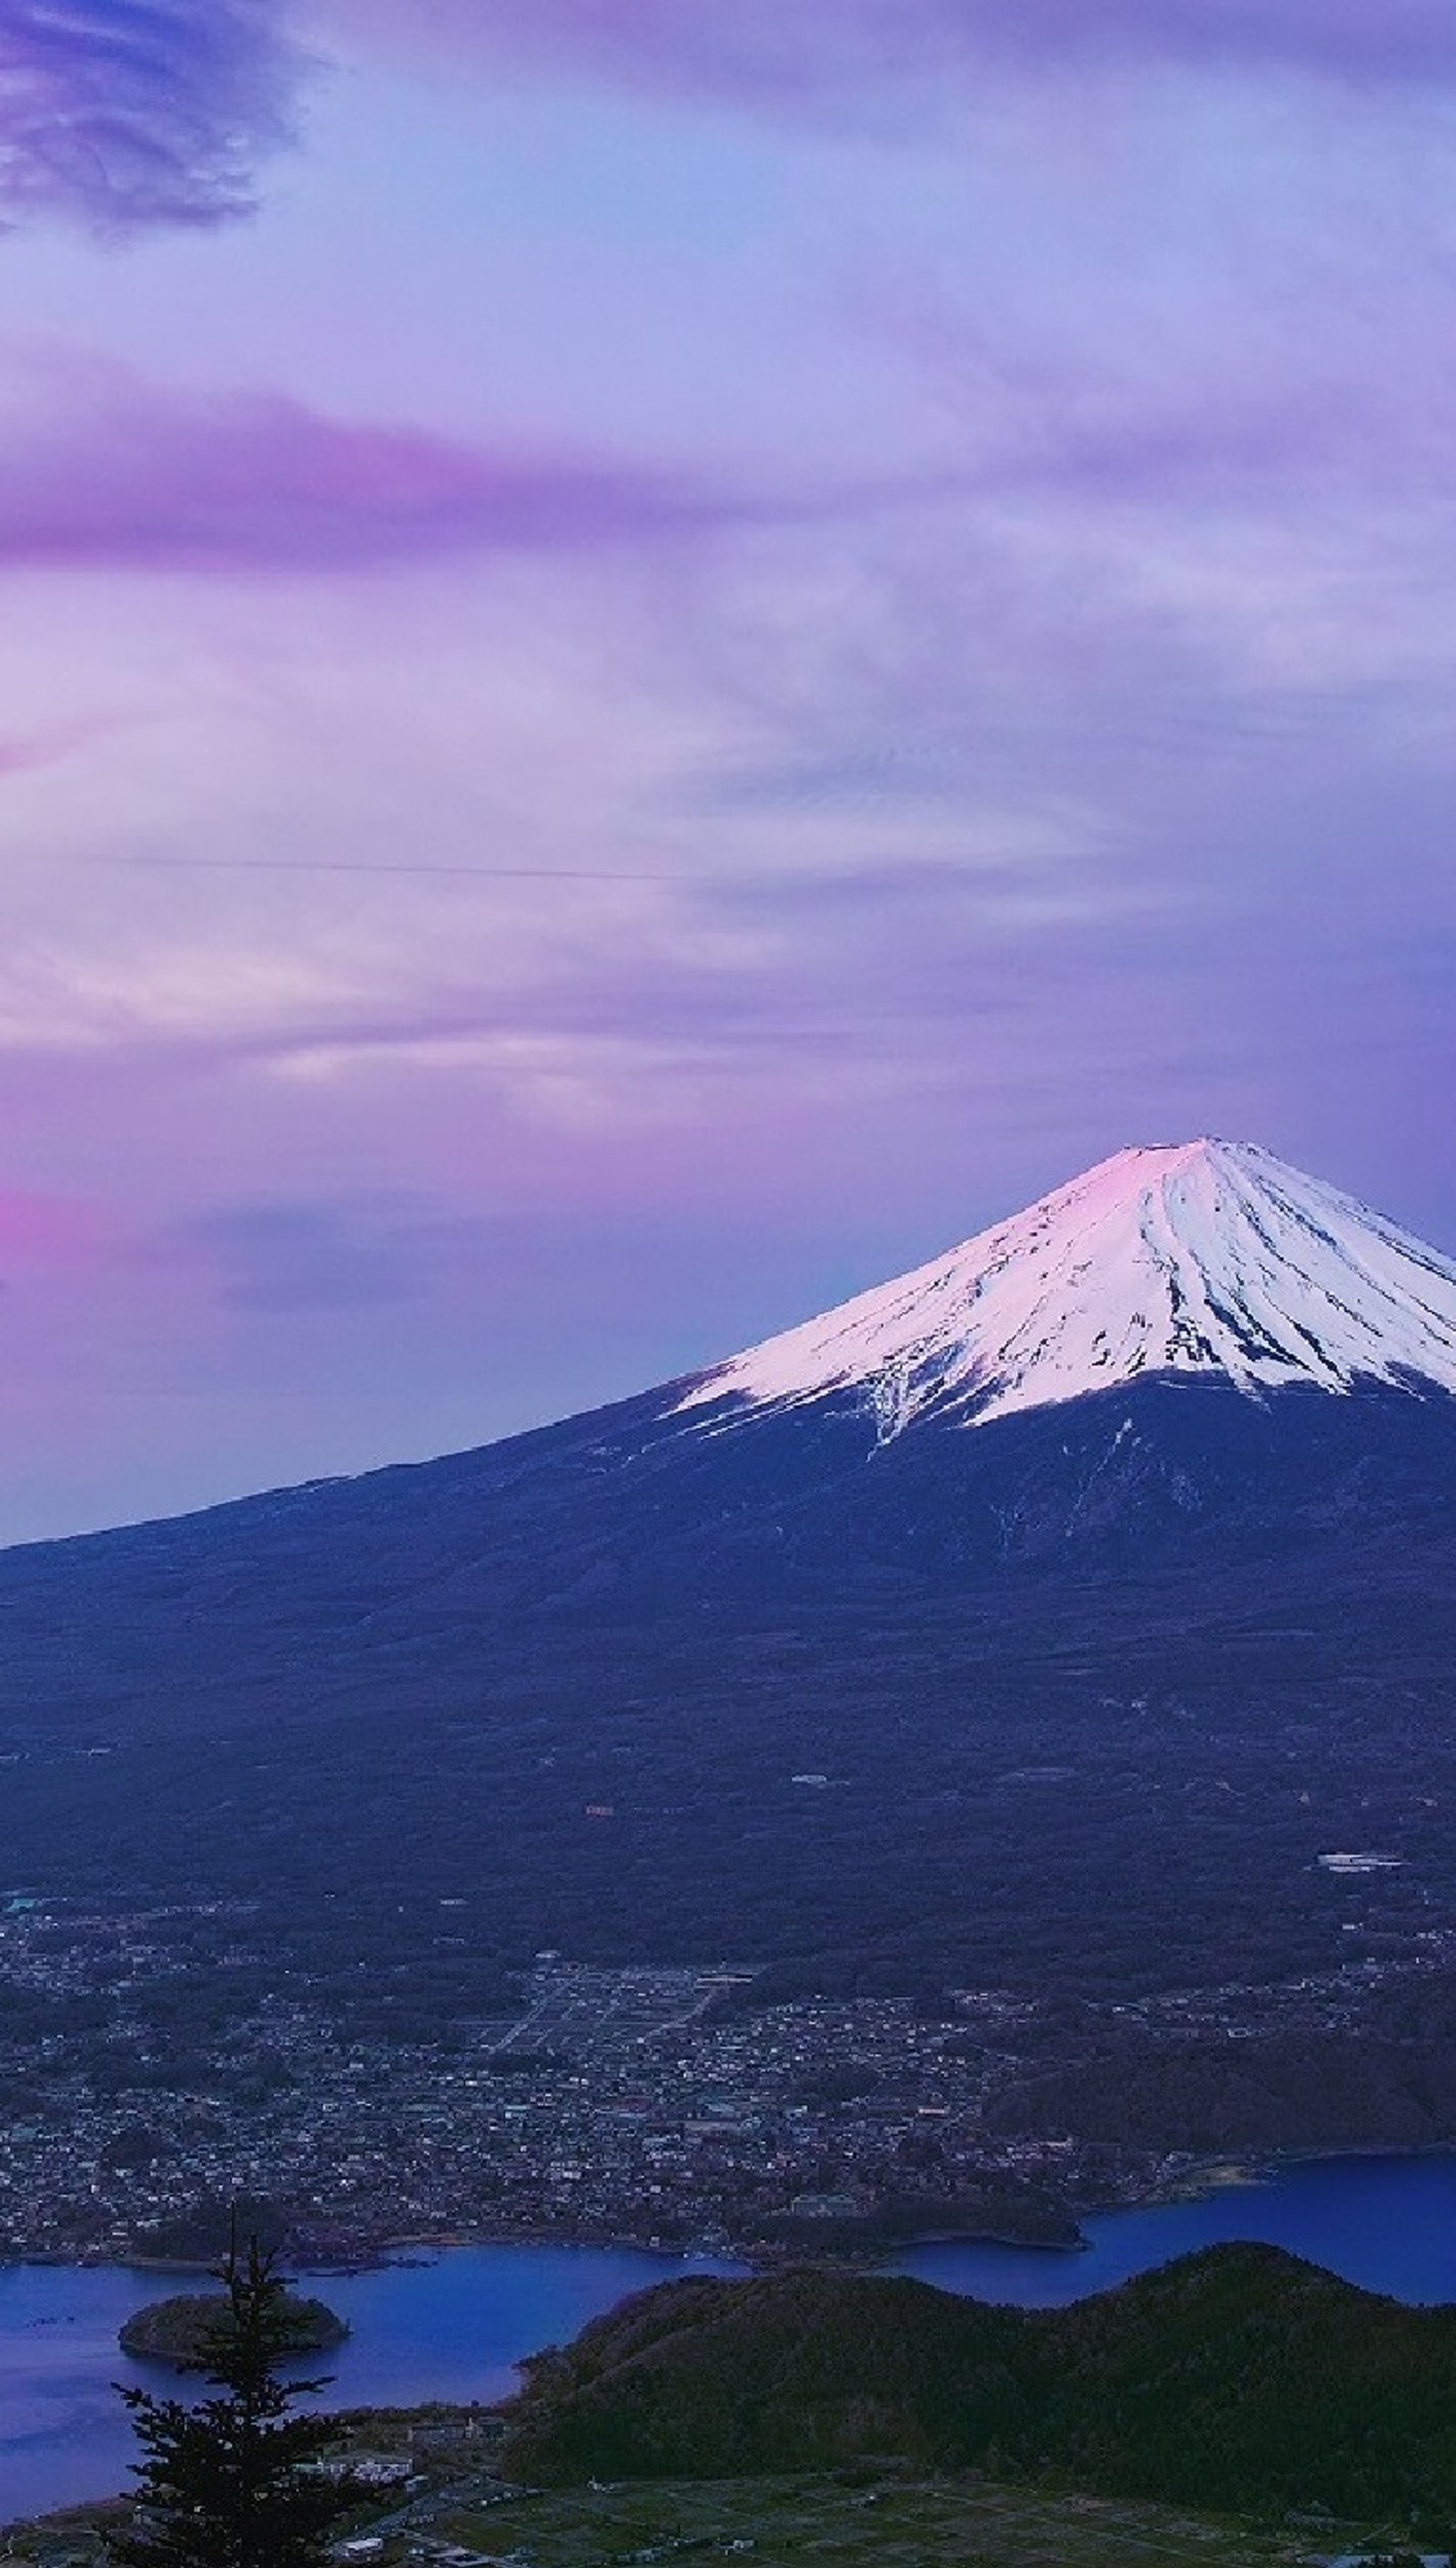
[
  {"x": 453, "y": 2325},
  {"x": 1388, "y": 2223}
]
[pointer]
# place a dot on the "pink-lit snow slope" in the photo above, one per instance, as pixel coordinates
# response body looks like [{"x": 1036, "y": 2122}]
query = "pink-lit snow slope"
[{"x": 1211, "y": 1257}]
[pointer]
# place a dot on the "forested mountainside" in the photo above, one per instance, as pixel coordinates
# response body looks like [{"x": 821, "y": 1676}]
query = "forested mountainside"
[{"x": 1240, "y": 2379}]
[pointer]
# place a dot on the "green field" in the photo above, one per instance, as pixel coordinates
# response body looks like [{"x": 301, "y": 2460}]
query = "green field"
[
  {"x": 898, "y": 2520},
  {"x": 898, "y": 2524}
]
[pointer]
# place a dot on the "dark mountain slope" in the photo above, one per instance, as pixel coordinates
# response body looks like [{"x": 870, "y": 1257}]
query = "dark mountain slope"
[
  {"x": 1071, "y": 1675},
  {"x": 630, "y": 1513}
]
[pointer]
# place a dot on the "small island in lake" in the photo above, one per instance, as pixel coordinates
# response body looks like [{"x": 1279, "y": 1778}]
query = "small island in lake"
[{"x": 176, "y": 2331}]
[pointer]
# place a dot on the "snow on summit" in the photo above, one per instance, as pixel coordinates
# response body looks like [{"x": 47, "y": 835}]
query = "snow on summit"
[{"x": 1208, "y": 1257}]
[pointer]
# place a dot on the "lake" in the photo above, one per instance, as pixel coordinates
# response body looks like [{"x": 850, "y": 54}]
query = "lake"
[{"x": 453, "y": 2325}]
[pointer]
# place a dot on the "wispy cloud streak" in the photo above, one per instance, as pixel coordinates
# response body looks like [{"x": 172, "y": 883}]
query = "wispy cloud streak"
[
  {"x": 127, "y": 114},
  {"x": 853, "y": 53}
]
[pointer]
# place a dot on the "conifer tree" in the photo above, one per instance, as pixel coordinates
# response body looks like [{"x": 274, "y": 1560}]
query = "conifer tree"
[{"x": 228, "y": 2482}]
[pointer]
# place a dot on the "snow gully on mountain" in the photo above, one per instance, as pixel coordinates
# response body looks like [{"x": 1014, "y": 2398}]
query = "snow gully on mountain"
[{"x": 1208, "y": 1257}]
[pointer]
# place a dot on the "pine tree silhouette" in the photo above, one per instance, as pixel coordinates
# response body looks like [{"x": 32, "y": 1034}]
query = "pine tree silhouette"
[{"x": 228, "y": 2482}]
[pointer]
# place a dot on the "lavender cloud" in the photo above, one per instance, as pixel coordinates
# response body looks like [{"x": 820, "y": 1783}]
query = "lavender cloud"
[
  {"x": 101, "y": 469},
  {"x": 856, "y": 54},
  {"x": 124, "y": 114}
]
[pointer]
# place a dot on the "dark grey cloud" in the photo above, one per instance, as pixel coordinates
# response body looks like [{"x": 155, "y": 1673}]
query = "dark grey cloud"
[
  {"x": 127, "y": 114},
  {"x": 294, "y": 1257}
]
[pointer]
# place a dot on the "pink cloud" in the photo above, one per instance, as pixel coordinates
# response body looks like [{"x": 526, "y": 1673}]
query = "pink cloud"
[
  {"x": 46, "y": 748},
  {"x": 49, "y": 1230},
  {"x": 104, "y": 469}
]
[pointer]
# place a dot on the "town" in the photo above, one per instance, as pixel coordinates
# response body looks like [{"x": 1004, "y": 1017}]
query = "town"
[{"x": 662, "y": 2105}]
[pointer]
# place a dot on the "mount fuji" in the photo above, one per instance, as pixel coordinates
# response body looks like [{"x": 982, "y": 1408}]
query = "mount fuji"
[
  {"x": 1211, "y": 1257},
  {"x": 1053, "y": 1609}
]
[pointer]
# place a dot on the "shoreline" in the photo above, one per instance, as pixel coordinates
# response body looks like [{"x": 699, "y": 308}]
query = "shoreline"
[
  {"x": 420, "y": 2249},
  {"x": 1222, "y": 2171}
]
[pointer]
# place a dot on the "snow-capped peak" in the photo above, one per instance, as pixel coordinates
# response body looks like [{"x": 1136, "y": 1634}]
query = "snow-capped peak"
[{"x": 1208, "y": 1257}]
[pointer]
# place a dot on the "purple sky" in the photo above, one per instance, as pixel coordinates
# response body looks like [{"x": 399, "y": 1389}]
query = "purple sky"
[{"x": 656, "y": 654}]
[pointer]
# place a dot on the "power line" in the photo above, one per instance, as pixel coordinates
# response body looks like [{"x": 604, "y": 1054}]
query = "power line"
[{"x": 345, "y": 866}]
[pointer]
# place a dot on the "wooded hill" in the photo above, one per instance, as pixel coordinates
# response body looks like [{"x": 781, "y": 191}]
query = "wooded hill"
[
  {"x": 180, "y": 2330},
  {"x": 1238, "y": 2379}
]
